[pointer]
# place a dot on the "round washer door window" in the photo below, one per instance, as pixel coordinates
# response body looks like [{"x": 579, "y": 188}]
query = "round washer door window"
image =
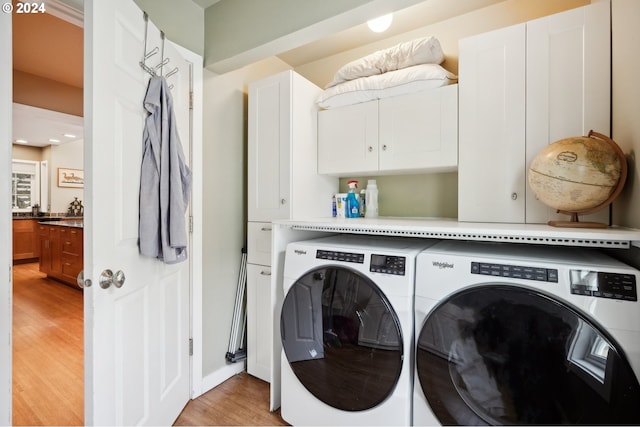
[
  {"x": 342, "y": 338},
  {"x": 497, "y": 354}
]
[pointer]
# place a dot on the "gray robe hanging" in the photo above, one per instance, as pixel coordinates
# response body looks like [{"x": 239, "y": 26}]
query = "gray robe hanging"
[{"x": 165, "y": 181}]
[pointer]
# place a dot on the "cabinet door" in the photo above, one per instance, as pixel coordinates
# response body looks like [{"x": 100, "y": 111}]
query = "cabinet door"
[
  {"x": 25, "y": 239},
  {"x": 259, "y": 321},
  {"x": 568, "y": 85},
  {"x": 348, "y": 139},
  {"x": 268, "y": 148},
  {"x": 491, "y": 168},
  {"x": 419, "y": 131}
]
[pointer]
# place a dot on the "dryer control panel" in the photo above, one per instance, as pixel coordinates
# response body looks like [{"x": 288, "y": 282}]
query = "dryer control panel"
[
  {"x": 604, "y": 285},
  {"x": 388, "y": 264}
]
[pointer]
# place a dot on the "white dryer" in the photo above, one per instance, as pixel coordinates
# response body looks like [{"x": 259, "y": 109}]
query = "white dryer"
[
  {"x": 520, "y": 334},
  {"x": 347, "y": 330}
]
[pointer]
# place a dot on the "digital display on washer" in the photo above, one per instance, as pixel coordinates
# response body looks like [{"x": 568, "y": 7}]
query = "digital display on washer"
[
  {"x": 603, "y": 285},
  {"x": 388, "y": 264}
]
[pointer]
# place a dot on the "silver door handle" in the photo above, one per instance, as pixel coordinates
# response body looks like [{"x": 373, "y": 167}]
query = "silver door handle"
[
  {"x": 82, "y": 282},
  {"x": 108, "y": 278}
]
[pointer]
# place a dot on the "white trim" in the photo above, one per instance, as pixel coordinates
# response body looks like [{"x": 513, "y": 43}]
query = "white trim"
[
  {"x": 65, "y": 12},
  {"x": 196, "y": 211},
  {"x": 6, "y": 303}
]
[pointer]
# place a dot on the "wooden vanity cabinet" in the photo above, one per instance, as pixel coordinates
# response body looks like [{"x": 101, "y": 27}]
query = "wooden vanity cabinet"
[{"x": 61, "y": 252}]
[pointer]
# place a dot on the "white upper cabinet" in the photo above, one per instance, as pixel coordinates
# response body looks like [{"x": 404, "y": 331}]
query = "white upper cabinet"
[
  {"x": 283, "y": 182},
  {"x": 417, "y": 132},
  {"x": 491, "y": 170},
  {"x": 568, "y": 86},
  {"x": 522, "y": 88}
]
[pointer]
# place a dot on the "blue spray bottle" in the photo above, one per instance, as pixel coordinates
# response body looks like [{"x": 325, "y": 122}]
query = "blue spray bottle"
[{"x": 353, "y": 207}]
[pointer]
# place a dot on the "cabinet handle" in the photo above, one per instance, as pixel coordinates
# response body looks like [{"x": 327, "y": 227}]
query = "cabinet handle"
[
  {"x": 283, "y": 201},
  {"x": 384, "y": 147},
  {"x": 265, "y": 229},
  {"x": 370, "y": 148},
  {"x": 265, "y": 273},
  {"x": 514, "y": 196}
]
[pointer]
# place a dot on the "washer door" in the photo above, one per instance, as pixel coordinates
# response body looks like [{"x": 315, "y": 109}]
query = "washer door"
[
  {"x": 342, "y": 338},
  {"x": 497, "y": 354}
]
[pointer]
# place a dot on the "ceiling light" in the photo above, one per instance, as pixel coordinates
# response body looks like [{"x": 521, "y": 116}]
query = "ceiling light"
[
  {"x": 380, "y": 24},
  {"x": 69, "y": 135},
  {"x": 22, "y": 141},
  {"x": 54, "y": 140}
]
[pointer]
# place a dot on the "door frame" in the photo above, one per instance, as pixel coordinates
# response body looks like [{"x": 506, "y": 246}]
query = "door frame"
[
  {"x": 196, "y": 212},
  {"x": 6, "y": 285}
]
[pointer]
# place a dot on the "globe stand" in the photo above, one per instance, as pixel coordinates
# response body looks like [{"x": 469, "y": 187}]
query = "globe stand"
[{"x": 575, "y": 223}]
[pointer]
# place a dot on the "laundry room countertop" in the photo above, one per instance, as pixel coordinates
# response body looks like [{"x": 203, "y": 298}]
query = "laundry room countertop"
[{"x": 444, "y": 228}]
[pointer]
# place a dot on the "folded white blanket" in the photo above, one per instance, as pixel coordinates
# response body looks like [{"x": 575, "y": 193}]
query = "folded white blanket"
[
  {"x": 426, "y": 50},
  {"x": 392, "y": 83}
]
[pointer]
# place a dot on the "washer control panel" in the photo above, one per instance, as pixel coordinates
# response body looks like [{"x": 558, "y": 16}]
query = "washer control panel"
[
  {"x": 340, "y": 256},
  {"x": 604, "y": 285},
  {"x": 515, "y": 271},
  {"x": 388, "y": 264}
]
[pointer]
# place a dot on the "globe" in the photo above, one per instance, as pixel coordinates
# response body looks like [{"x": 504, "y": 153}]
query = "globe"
[{"x": 578, "y": 175}]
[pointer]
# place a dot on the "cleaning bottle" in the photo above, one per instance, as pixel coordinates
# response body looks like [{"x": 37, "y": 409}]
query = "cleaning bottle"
[
  {"x": 363, "y": 203},
  {"x": 353, "y": 207},
  {"x": 372, "y": 199}
]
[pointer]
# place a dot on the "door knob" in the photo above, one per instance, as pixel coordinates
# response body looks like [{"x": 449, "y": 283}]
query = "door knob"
[
  {"x": 82, "y": 282},
  {"x": 108, "y": 278}
]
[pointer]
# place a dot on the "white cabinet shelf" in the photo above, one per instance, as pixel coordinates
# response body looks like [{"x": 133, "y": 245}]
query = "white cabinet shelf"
[{"x": 416, "y": 132}]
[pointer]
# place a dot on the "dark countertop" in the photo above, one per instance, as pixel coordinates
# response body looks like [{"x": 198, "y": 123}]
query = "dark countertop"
[
  {"x": 48, "y": 217},
  {"x": 66, "y": 222}
]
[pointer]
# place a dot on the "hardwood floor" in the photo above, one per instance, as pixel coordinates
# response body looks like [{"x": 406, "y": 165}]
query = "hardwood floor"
[
  {"x": 47, "y": 350},
  {"x": 241, "y": 400},
  {"x": 48, "y": 364}
]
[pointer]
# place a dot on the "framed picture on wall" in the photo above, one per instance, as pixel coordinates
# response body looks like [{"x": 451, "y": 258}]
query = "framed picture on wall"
[{"x": 70, "y": 177}]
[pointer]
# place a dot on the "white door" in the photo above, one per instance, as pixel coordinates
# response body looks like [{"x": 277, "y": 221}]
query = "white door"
[{"x": 136, "y": 336}]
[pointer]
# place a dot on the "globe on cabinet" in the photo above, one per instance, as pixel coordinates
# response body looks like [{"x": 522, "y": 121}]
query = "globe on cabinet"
[{"x": 578, "y": 176}]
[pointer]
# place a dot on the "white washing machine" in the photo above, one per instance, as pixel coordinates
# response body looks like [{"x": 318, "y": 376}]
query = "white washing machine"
[
  {"x": 517, "y": 334},
  {"x": 347, "y": 330}
]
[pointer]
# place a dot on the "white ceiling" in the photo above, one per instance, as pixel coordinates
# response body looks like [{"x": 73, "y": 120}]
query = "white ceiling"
[{"x": 39, "y": 126}]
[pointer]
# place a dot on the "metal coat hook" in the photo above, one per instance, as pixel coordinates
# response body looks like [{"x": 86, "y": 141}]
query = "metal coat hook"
[
  {"x": 148, "y": 54},
  {"x": 145, "y": 54}
]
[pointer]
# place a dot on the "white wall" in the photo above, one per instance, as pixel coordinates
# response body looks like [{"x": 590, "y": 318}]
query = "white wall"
[
  {"x": 626, "y": 104},
  {"x": 67, "y": 155},
  {"x": 225, "y": 205}
]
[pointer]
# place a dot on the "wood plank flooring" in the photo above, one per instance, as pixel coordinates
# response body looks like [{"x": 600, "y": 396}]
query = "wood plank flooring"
[
  {"x": 48, "y": 364},
  {"x": 47, "y": 350}
]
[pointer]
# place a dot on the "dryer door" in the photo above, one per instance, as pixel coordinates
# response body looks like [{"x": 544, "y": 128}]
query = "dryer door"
[
  {"x": 497, "y": 354},
  {"x": 342, "y": 338}
]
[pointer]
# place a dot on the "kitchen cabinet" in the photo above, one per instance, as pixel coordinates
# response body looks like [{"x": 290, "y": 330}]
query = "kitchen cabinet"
[
  {"x": 61, "y": 252},
  {"x": 522, "y": 88},
  {"x": 283, "y": 183},
  {"x": 26, "y": 244},
  {"x": 411, "y": 133}
]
